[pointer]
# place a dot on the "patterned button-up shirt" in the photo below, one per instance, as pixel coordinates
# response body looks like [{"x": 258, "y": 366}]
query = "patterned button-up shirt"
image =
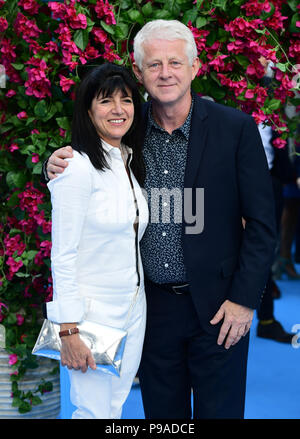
[{"x": 165, "y": 160}]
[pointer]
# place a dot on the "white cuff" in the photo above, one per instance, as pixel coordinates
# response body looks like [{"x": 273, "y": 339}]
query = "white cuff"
[{"x": 66, "y": 311}]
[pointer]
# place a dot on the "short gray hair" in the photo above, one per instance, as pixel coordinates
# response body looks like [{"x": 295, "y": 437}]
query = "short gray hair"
[{"x": 165, "y": 30}]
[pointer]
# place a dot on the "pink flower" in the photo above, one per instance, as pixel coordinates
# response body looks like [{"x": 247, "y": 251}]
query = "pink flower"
[
  {"x": 51, "y": 46},
  {"x": 22, "y": 115},
  {"x": 10, "y": 93},
  {"x": 14, "y": 244},
  {"x": 13, "y": 147},
  {"x": 25, "y": 28},
  {"x": 104, "y": 10},
  {"x": 37, "y": 84},
  {"x": 77, "y": 21},
  {"x": 13, "y": 359},
  {"x": 29, "y": 6},
  {"x": 35, "y": 158},
  {"x": 279, "y": 143},
  {"x": 3, "y": 24},
  {"x": 65, "y": 83},
  {"x": 253, "y": 7},
  {"x": 14, "y": 266},
  {"x": 236, "y": 46},
  {"x": 20, "y": 319},
  {"x": 99, "y": 35},
  {"x": 2, "y": 2},
  {"x": 241, "y": 28},
  {"x": 58, "y": 10},
  {"x": 218, "y": 63}
]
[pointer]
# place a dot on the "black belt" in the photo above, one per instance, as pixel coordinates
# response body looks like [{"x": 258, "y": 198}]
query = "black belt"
[{"x": 183, "y": 288}]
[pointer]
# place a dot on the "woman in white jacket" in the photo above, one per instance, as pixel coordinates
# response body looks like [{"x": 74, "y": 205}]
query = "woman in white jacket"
[{"x": 99, "y": 215}]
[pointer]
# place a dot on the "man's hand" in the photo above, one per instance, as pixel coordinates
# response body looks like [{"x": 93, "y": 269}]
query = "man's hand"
[
  {"x": 56, "y": 163},
  {"x": 236, "y": 323}
]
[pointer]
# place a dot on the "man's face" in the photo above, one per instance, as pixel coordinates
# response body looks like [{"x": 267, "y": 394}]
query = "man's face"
[{"x": 166, "y": 72}]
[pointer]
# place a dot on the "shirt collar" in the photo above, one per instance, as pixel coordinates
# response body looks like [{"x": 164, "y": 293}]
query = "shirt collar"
[
  {"x": 184, "y": 128},
  {"x": 111, "y": 149}
]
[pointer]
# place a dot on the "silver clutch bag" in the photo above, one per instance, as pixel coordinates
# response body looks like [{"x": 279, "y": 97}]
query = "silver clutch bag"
[{"x": 106, "y": 344}]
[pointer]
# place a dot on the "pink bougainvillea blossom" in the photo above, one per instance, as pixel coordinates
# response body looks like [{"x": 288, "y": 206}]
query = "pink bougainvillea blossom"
[
  {"x": 20, "y": 319},
  {"x": 254, "y": 7},
  {"x": 35, "y": 158},
  {"x": 104, "y": 10},
  {"x": 10, "y": 93},
  {"x": 37, "y": 84},
  {"x": 26, "y": 28},
  {"x": 14, "y": 266},
  {"x": 14, "y": 244},
  {"x": 3, "y": 24},
  {"x": 22, "y": 115},
  {"x": 13, "y": 359},
  {"x": 29, "y": 6},
  {"x": 279, "y": 142},
  {"x": 13, "y": 147},
  {"x": 241, "y": 28},
  {"x": 65, "y": 83}
]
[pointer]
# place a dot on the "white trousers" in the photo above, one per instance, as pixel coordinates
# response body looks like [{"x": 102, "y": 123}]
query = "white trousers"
[{"x": 97, "y": 395}]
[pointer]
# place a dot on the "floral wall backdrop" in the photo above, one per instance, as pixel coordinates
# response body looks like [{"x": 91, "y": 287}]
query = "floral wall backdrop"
[{"x": 42, "y": 46}]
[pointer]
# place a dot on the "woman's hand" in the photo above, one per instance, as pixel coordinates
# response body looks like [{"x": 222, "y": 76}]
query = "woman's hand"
[{"x": 75, "y": 354}]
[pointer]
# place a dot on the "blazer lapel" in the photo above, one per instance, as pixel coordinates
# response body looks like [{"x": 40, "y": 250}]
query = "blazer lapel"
[{"x": 197, "y": 141}]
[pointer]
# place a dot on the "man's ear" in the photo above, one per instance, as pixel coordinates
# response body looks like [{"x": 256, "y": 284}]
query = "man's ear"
[
  {"x": 137, "y": 72},
  {"x": 195, "y": 67}
]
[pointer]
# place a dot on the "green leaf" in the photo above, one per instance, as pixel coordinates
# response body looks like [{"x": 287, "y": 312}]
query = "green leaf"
[
  {"x": 274, "y": 104},
  {"x": 37, "y": 168},
  {"x": 162, "y": 14},
  {"x": 293, "y": 28},
  {"x": 36, "y": 400},
  {"x": 190, "y": 15},
  {"x": 40, "y": 109},
  {"x": 121, "y": 31},
  {"x": 81, "y": 38},
  {"x": 25, "y": 407},
  {"x": 107, "y": 28},
  {"x": 282, "y": 67},
  {"x": 18, "y": 66},
  {"x": 147, "y": 9},
  {"x": 16, "y": 179},
  {"x": 293, "y": 4},
  {"x": 63, "y": 122},
  {"x": 243, "y": 60},
  {"x": 200, "y": 22},
  {"x": 136, "y": 16}
]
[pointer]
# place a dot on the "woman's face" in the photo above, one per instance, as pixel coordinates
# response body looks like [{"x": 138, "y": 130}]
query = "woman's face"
[{"x": 112, "y": 116}]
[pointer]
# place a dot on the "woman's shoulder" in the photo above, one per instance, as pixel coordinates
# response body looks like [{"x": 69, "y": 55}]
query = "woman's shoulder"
[{"x": 78, "y": 170}]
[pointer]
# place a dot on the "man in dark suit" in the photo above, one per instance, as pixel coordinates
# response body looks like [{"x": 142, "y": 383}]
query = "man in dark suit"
[{"x": 206, "y": 274}]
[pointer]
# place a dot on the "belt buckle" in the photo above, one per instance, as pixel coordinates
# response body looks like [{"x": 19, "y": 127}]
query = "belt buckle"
[{"x": 179, "y": 286}]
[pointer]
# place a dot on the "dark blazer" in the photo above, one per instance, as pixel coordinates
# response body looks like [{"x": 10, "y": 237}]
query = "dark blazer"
[{"x": 226, "y": 158}]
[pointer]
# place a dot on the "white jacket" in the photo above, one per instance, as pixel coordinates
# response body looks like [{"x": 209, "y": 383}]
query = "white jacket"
[{"x": 93, "y": 253}]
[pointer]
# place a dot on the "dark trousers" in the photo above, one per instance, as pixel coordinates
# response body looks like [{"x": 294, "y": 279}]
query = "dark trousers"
[{"x": 181, "y": 360}]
